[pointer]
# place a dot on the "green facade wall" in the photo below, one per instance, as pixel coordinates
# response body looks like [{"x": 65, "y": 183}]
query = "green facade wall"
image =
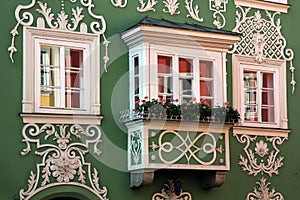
[{"x": 112, "y": 163}]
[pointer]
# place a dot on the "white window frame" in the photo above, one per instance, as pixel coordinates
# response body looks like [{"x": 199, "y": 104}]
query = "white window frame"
[
  {"x": 271, "y": 5},
  {"x": 89, "y": 43},
  {"x": 278, "y": 67},
  {"x": 219, "y": 97}
]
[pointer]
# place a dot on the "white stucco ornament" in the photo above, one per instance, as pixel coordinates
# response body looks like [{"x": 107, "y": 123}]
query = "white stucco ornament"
[
  {"x": 262, "y": 192},
  {"x": 267, "y": 161},
  {"x": 171, "y": 7},
  {"x": 219, "y": 7},
  {"x": 119, "y": 3},
  {"x": 63, "y": 149},
  {"x": 61, "y": 21},
  {"x": 193, "y": 10},
  {"x": 262, "y": 38},
  {"x": 145, "y": 7}
]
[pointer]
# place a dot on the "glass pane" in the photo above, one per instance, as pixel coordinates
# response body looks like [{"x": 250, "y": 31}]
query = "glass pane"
[
  {"x": 268, "y": 114},
  {"x": 186, "y": 86},
  {"x": 267, "y": 80},
  {"x": 185, "y": 66},
  {"x": 250, "y": 96},
  {"x": 206, "y": 69},
  {"x": 136, "y": 65},
  {"x": 73, "y": 78},
  {"x": 50, "y": 76},
  {"x": 206, "y": 88},
  {"x": 164, "y": 64}
]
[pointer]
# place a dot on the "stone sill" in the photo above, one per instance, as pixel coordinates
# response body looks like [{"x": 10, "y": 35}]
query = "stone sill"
[{"x": 61, "y": 118}]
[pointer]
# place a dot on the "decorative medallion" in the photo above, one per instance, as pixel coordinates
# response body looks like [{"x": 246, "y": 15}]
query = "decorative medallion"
[
  {"x": 25, "y": 18},
  {"x": 172, "y": 191},
  {"x": 262, "y": 38},
  {"x": 63, "y": 149},
  {"x": 218, "y": 6},
  {"x": 193, "y": 11},
  {"x": 261, "y": 159},
  {"x": 145, "y": 7},
  {"x": 263, "y": 192},
  {"x": 172, "y": 6}
]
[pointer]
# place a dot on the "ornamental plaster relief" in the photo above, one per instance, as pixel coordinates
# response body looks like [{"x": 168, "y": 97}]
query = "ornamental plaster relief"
[
  {"x": 172, "y": 191},
  {"x": 259, "y": 158},
  {"x": 63, "y": 149},
  {"x": 25, "y": 18},
  {"x": 263, "y": 192},
  {"x": 218, "y": 7},
  {"x": 262, "y": 38}
]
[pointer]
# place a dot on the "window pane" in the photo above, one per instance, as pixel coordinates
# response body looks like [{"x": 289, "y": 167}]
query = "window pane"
[
  {"x": 165, "y": 77},
  {"x": 206, "y": 69},
  {"x": 164, "y": 64},
  {"x": 50, "y": 76},
  {"x": 206, "y": 88},
  {"x": 73, "y": 78},
  {"x": 185, "y": 66},
  {"x": 250, "y": 96},
  {"x": 206, "y": 82},
  {"x": 268, "y": 114}
]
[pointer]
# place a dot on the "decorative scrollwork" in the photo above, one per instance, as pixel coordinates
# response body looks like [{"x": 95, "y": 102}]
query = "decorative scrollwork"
[
  {"x": 218, "y": 6},
  {"x": 97, "y": 27},
  {"x": 263, "y": 164},
  {"x": 193, "y": 11},
  {"x": 64, "y": 160},
  {"x": 172, "y": 6},
  {"x": 168, "y": 193},
  {"x": 119, "y": 3},
  {"x": 147, "y": 7},
  {"x": 262, "y": 38},
  {"x": 263, "y": 192},
  {"x": 136, "y": 146},
  {"x": 184, "y": 146}
]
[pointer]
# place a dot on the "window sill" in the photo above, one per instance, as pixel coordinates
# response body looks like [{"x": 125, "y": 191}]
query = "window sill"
[
  {"x": 61, "y": 118},
  {"x": 264, "y": 5},
  {"x": 246, "y": 130}
]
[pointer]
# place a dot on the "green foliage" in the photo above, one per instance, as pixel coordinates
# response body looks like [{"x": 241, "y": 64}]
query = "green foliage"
[{"x": 192, "y": 110}]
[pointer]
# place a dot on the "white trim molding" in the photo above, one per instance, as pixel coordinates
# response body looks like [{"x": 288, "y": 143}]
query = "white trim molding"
[
  {"x": 63, "y": 161},
  {"x": 271, "y": 5}
]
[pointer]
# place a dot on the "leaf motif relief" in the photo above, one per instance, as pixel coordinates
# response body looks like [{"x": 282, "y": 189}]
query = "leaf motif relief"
[
  {"x": 147, "y": 7},
  {"x": 64, "y": 161},
  {"x": 193, "y": 11}
]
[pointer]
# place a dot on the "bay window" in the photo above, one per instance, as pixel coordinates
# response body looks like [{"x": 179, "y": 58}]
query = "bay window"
[{"x": 169, "y": 60}]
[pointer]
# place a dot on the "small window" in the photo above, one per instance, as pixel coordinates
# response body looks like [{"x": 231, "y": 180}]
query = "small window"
[
  {"x": 62, "y": 74},
  {"x": 259, "y": 92}
]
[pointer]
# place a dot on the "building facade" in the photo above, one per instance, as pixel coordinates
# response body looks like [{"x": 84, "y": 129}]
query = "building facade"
[{"x": 148, "y": 99}]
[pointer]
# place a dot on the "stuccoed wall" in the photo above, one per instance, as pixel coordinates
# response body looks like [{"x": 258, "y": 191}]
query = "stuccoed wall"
[{"x": 112, "y": 163}]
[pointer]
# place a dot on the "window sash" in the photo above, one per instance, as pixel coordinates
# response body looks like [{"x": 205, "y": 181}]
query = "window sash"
[
  {"x": 259, "y": 101},
  {"x": 66, "y": 88}
]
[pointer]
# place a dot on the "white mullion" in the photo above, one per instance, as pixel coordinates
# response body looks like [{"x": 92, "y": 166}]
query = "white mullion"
[
  {"x": 176, "y": 78},
  {"x": 63, "y": 77},
  {"x": 259, "y": 94},
  {"x": 194, "y": 70},
  {"x": 196, "y": 76}
]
